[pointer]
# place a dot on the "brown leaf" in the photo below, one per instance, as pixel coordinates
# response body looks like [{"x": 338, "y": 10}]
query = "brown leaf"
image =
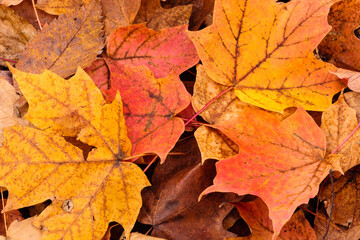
[
  {"x": 346, "y": 211},
  {"x": 173, "y": 210},
  {"x": 73, "y": 39},
  {"x": 320, "y": 227},
  {"x": 158, "y": 17},
  {"x": 119, "y": 13},
  {"x": 338, "y": 121},
  {"x": 353, "y": 100},
  {"x": 15, "y": 32},
  {"x": 341, "y": 44},
  {"x": 10, "y": 2},
  {"x": 201, "y": 9}
]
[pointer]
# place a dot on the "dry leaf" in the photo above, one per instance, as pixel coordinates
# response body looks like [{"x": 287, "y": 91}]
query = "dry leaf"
[
  {"x": 24, "y": 230},
  {"x": 10, "y": 2},
  {"x": 15, "y": 32},
  {"x": 58, "y": 7},
  {"x": 73, "y": 40}
]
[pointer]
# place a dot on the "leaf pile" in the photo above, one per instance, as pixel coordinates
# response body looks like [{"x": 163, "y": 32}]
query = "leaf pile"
[{"x": 98, "y": 137}]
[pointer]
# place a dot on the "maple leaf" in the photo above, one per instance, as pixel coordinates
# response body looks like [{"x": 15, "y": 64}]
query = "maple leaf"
[
  {"x": 167, "y": 50},
  {"x": 87, "y": 193},
  {"x": 255, "y": 213},
  {"x": 157, "y": 17},
  {"x": 149, "y": 116},
  {"x": 269, "y": 61},
  {"x": 58, "y": 7},
  {"x": 340, "y": 44},
  {"x": 338, "y": 122},
  {"x": 283, "y": 180},
  {"x": 74, "y": 39}
]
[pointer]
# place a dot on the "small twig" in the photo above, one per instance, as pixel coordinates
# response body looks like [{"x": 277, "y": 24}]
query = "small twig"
[
  {"x": 8, "y": 60},
  {"x": 152, "y": 161},
  {"x": 148, "y": 231},
  {"x": 191, "y": 72},
  {"x": 332, "y": 202},
  {"x": 36, "y": 14},
  {"x": 3, "y": 206},
  {"x": 208, "y": 104}
]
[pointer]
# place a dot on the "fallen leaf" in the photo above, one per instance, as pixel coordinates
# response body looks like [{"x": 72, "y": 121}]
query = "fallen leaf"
[
  {"x": 73, "y": 39},
  {"x": 320, "y": 227},
  {"x": 23, "y": 230},
  {"x": 164, "y": 51},
  {"x": 158, "y": 18},
  {"x": 260, "y": 56},
  {"x": 340, "y": 44},
  {"x": 139, "y": 236},
  {"x": 99, "y": 73},
  {"x": 353, "y": 100},
  {"x": 57, "y": 7},
  {"x": 338, "y": 122},
  {"x": 150, "y": 116},
  {"x": 283, "y": 180},
  {"x": 11, "y": 216},
  {"x": 173, "y": 210},
  {"x": 346, "y": 208},
  {"x": 25, "y": 10},
  {"x": 256, "y": 215},
  {"x": 8, "y": 115},
  {"x": 352, "y": 78},
  {"x": 10, "y": 2},
  {"x": 86, "y": 194},
  {"x": 201, "y": 9},
  {"x": 15, "y": 32},
  {"x": 119, "y": 13}
]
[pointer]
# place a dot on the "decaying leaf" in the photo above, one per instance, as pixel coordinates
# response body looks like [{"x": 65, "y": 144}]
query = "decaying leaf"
[
  {"x": 260, "y": 56},
  {"x": 256, "y": 215},
  {"x": 321, "y": 226},
  {"x": 164, "y": 51},
  {"x": 283, "y": 180},
  {"x": 173, "y": 210},
  {"x": 158, "y": 18},
  {"x": 8, "y": 115},
  {"x": 353, "y": 100},
  {"x": 119, "y": 13},
  {"x": 15, "y": 32},
  {"x": 346, "y": 209},
  {"x": 150, "y": 116},
  {"x": 341, "y": 44},
  {"x": 87, "y": 193},
  {"x": 139, "y": 236},
  {"x": 338, "y": 121},
  {"x": 72, "y": 40}
]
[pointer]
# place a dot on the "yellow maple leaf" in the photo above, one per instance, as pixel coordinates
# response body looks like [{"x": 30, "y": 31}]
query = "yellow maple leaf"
[
  {"x": 264, "y": 51},
  {"x": 36, "y": 165}
]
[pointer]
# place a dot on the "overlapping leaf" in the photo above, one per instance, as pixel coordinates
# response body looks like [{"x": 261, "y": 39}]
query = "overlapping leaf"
[
  {"x": 164, "y": 51},
  {"x": 269, "y": 60},
  {"x": 150, "y": 115},
  {"x": 341, "y": 44},
  {"x": 89, "y": 193},
  {"x": 281, "y": 162},
  {"x": 74, "y": 39}
]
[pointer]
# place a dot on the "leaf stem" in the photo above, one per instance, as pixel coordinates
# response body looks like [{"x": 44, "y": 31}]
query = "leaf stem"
[
  {"x": 36, "y": 14},
  {"x": 208, "y": 104},
  {"x": 152, "y": 161},
  {"x": 3, "y": 206},
  {"x": 8, "y": 60},
  {"x": 352, "y": 133}
]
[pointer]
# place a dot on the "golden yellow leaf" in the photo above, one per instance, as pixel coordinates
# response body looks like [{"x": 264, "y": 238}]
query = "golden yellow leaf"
[
  {"x": 74, "y": 39},
  {"x": 88, "y": 193},
  {"x": 269, "y": 61},
  {"x": 57, "y": 7},
  {"x": 15, "y": 32},
  {"x": 10, "y": 2}
]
